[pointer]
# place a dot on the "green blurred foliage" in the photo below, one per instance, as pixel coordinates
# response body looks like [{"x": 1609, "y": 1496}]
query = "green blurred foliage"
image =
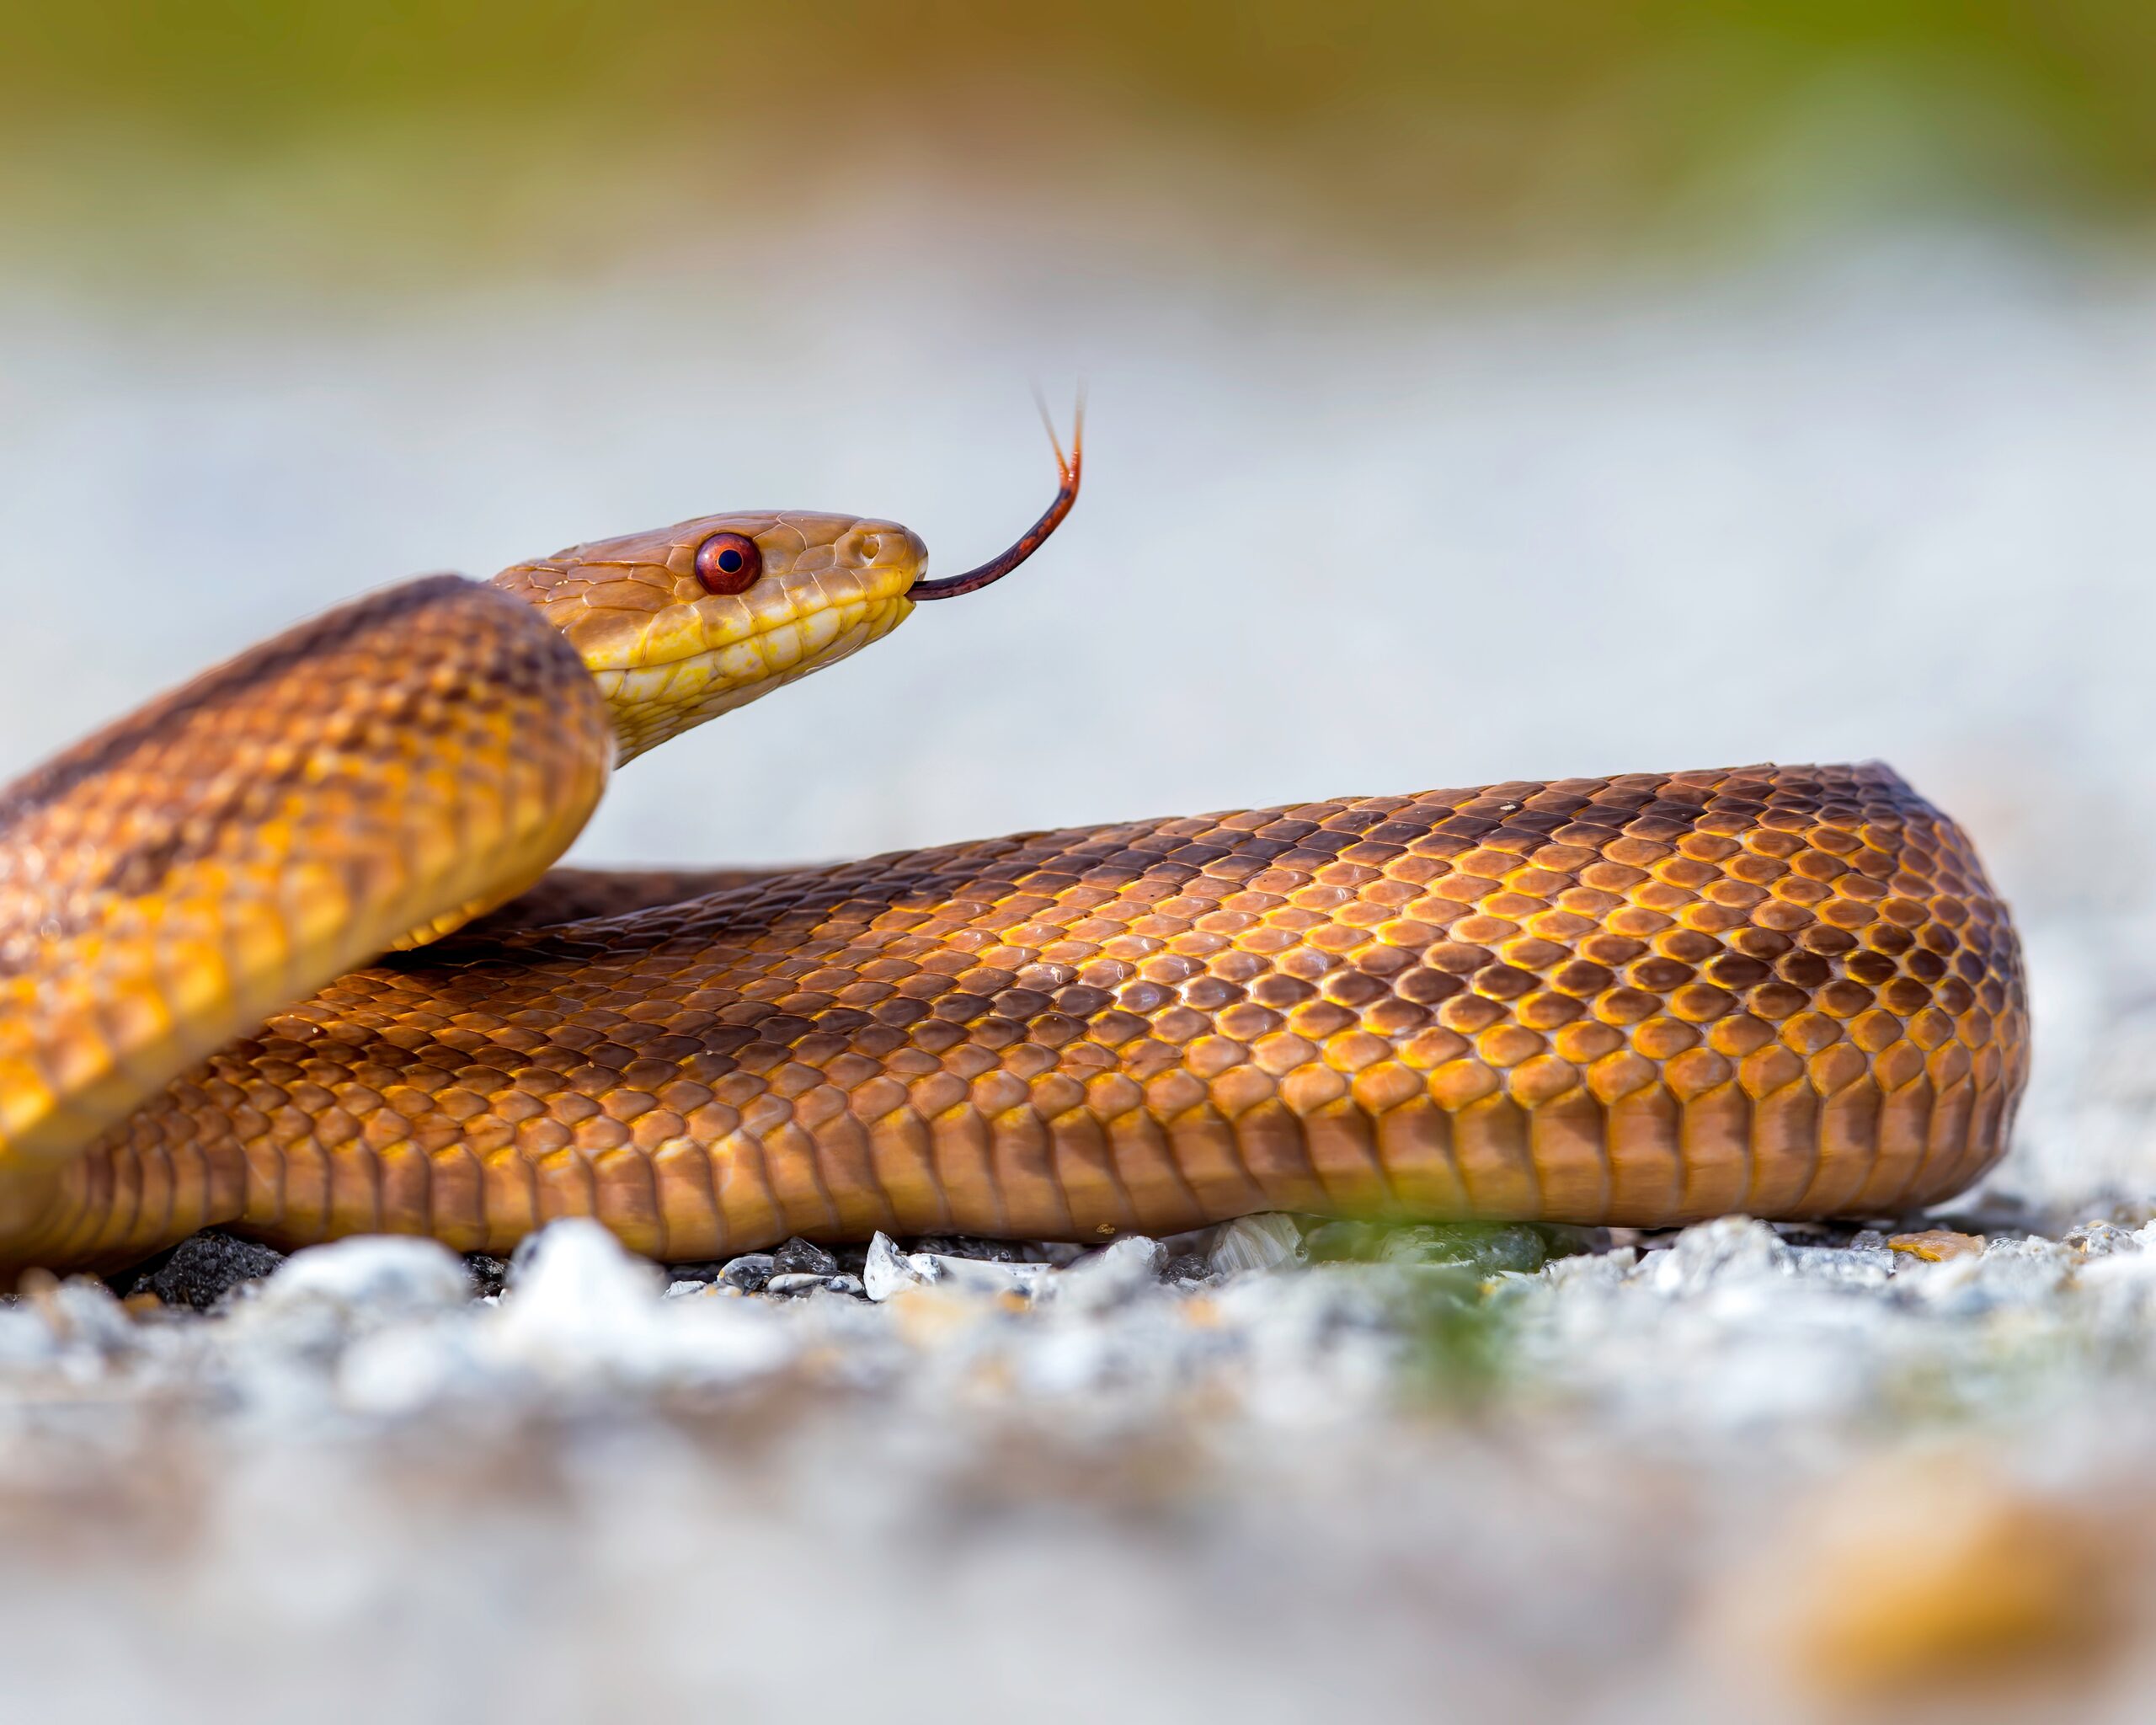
[
  {"x": 1459, "y": 1325},
  {"x": 1462, "y": 1342},
  {"x": 1557, "y": 114}
]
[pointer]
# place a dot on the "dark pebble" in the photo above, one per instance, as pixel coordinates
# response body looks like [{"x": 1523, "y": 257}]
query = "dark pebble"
[
  {"x": 203, "y": 1267},
  {"x": 969, "y": 1246},
  {"x": 489, "y": 1275},
  {"x": 1190, "y": 1270},
  {"x": 1521, "y": 1248},
  {"x": 1563, "y": 1240},
  {"x": 749, "y": 1271}
]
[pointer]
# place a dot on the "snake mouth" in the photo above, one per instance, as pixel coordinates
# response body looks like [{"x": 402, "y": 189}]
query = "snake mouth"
[{"x": 1067, "y": 469}]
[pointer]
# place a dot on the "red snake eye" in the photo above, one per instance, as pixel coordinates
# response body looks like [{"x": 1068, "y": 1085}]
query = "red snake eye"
[{"x": 728, "y": 563}]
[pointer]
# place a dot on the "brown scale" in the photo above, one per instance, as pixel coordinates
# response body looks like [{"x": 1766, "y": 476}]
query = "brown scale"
[
  {"x": 388, "y": 768},
  {"x": 1784, "y": 992},
  {"x": 577, "y": 894}
]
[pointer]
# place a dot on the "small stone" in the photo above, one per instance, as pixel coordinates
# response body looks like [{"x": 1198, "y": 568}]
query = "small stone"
[
  {"x": 204, "y": 1267},
  {"x": 1344, "y": 1242},
  {"x": 2008, "y": 1271},
  {"x": 890, "y": 1271},
  {"x": 1488, "y": 1249},
  {"x": 887, "y": 1271},
  {"x": 520, "y": 1259},
  {"x": 1934, "y": 1573},
  {"x": 1728, "y": 1249},
  {"x": 971, "y": 1246},
  {"x": 82, "y": 1311},
  {"x": 576, "y": 1288},
  {"x": 802, "y": 1257},
  {"x": 1114, "y": 1274},
  {"x": 1259, "y": 1242},
  {"x": 1415, "y": 1246},
  {"x": 1564, "y": 1240},
  {"x": 1850, "y": 1266},
  {"x": 584, "y": 1311},
  {"x": 788, "y": 1282},
  {"x": 979, "y": 1249},
  {"x": 705, "y": 1270},
  {"x": 749, "y": 1271},
  {"x": 986, "y": 1275},
  {"x": 380, "y": 1275},
  {"x": 1592, "y": 1268},
  {"x": 489, "y": 1275},
  {"x": 1193, "y": 1269},
  {"x": 1937, "y": 1245},
  {"x": 2101, "y": 1239}
]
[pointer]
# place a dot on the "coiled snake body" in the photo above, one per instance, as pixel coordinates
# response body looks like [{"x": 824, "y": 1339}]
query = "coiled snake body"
[{"x": 1786, "y": 991}]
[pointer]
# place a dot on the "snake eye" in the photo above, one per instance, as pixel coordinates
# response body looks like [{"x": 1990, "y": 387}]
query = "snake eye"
[{"x": 728, "y": 563}]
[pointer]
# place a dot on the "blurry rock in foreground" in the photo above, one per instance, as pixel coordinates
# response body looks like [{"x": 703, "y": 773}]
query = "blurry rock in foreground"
[
  {"x": 1389, "y": 1473},
  {"x": 1928, "y": 1577}
]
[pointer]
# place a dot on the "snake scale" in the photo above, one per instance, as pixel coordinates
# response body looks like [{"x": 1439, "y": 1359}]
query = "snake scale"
[{"x": 241, "y": 981}]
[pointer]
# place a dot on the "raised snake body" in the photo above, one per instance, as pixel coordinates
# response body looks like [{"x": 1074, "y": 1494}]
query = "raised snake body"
[{"x": 1783, "y": 991}]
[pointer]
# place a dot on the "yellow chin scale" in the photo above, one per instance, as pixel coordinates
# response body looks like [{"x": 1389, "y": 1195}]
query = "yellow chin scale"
[{"x": 652, "y": 703}]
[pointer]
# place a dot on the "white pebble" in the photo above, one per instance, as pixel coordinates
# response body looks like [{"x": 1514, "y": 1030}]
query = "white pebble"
[
  {"x": 83, "y": 1311},
  {"x": 889, "y": 1270},
  {"x": 578, "y": 1285},
  {"x": 25, "y": 1338},
  {"x": 1109, "y": 1276},
  {"x": 1728, "y": 1249},
  {"x": 1258, "y": 1243},
  {"x": 809, "y": 1282},
  {"x": 382, "y": 1275},
  {"x": 584, "y": 1310},
  {"x": 988, "y": 1275}
]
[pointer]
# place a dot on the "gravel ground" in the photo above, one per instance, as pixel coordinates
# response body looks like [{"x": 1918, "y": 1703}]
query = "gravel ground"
[{"x": 1279, "y": 1466}]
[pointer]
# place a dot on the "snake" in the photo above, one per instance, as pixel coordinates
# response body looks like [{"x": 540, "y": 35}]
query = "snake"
[{"x": 283, "y": 950}]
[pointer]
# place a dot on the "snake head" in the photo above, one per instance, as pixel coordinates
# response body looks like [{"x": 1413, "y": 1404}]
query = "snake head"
[
  {"x": 686, "y": 622},
  {"x": 683, "y": 624}
]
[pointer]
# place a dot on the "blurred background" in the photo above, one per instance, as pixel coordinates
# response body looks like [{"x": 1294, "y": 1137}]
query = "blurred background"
[{"x": 1479, "y": 390}]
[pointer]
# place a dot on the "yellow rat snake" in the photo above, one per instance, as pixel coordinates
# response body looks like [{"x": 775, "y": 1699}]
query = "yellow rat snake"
[{"x": 1784, "y": 992}]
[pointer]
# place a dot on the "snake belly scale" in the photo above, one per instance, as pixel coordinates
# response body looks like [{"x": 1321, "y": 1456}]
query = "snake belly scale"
[{"x": 1784, "y": 991}]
